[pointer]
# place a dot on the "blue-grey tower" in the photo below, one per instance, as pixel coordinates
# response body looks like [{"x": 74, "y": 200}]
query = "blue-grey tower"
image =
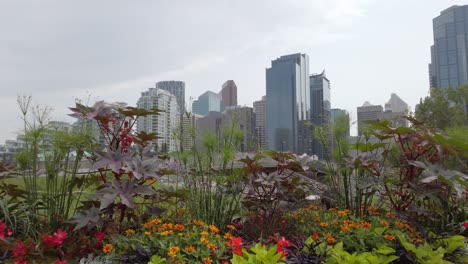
[
  {"x": 449, "y": 54},
  {"x": 288, "y": 99},
  {"x": 320, "y": 113}
]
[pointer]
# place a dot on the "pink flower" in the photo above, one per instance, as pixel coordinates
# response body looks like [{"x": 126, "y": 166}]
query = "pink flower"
[{"x": 9, "y": 232}]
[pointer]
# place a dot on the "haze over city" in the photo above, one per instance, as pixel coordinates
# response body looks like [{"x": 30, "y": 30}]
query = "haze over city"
[{"x": 60, "y": 51}]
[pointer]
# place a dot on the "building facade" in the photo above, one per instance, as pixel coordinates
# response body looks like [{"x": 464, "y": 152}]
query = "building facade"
[
  {"x": 449, "y": 54},
  {"x": 207, "y": 102},
  {"x": 228, "y": 94},
  {"x": 367, "y": 112},
  {"x": 176, "y": 88},
  {"x": 164, "y": 124},
  {"x": 259, "y": 108},
  {"x": 242, "y": 118},
  {"x": 288, "y": 99},
  {"x": 320, "y": 105}
]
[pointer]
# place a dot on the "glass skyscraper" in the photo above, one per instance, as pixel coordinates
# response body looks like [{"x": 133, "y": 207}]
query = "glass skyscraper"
[
  {"x": 449, "y": 54},
  {"x": 176, "y": 88},
  {"x": 206, "y": 103},
  {"x": 320, "y": 116},
  {"x": 288, "y": 99}
]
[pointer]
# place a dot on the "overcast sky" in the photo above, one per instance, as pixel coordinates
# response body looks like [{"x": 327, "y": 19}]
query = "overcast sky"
[{"x": 60, "y": 51}]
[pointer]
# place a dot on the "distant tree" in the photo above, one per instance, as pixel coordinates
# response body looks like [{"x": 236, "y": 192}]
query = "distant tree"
[{"x": 444, "y": 108}]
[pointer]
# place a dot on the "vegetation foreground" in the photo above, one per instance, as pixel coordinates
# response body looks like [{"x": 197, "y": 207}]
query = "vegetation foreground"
[{"x": 401, "y": 198}]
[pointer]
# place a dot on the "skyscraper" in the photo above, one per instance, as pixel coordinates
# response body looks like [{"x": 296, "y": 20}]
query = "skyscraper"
[
  {"x": 228, "y": 94},
  {"x": 260, "y": 122},
  {"x": 449, "y": 54},
  {"x": 288, "y": 99},
  {"x": 320, "y": 111},
  {"x": 176, "y": 88},
  {"x": 163, "y": 124},
  {"x": 207, "y": 102}
]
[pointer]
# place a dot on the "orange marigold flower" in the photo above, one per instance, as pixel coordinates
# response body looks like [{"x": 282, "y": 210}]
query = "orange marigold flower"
[
  {"x": 173, "y": 251},
  {"x": 204, "y": 233},
  {"x": 190, "y": 248},
  {"x": 168, "y": 226},
  {"x": 107, "y": 248},
  {"x": 399, "y": 224},
  {"x": 419, "y": 241},
  {"x": 342, "y": 213},
  {"x": 227, "y": 235},
  {"x": 148, "y": 224},
  {"x": 214, "y": 229},
  {"x": 330, "y": 239},
  {"x": 207, "y": 261},
  {"x": 389, "y": 237},
  {"x": 204, "y": 240},
  {"x": 323, "y": 224},
  {"x": 179, "y": 227},
  {"x": 212, "y": 246},
  {"x": 384, "y": 223},
  {"x": 156, "y": 221},
  {"x": 366, "y": 225},
  {"x": 344, "y": 228},
  {"x": 231, "y": 227},
  {"x": 389, "y": 215}
]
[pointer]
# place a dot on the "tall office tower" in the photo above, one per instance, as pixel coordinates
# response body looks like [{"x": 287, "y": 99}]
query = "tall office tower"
[
  {"x": 207, "y": 102},
  {"x": 244, "y": 119},
  {"x": 288, "y": 99},
  {"x": 449, "y": 54},
  {"x": 368, "y": 112},
  {"x": 163, "y": 124},
  {"x": 176, "y": 88},
  {"x": 260, "y": 122},
  {"x": 228, "y": 94},
  {"x": 320, "y": 113},
  {"x": 187, "y": 130}
]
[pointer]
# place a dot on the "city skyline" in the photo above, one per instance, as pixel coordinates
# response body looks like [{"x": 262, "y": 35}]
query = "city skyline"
[{"x": 58, "y": 52}]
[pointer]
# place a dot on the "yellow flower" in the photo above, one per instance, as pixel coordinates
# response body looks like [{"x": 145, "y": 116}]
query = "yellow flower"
[
  {"x": 173, "y": 251},
  {"x": 207, "y": 261},
  {"x": 204, "y": 233},
  {"x": 231, "y": 227},
  {"x": 180, "y": 234},
  {"x": 190, "y": 248},
  {"x": 323, "y": 224},
  {"x": 204, "y": 240},
  {"x": 389, "y": 237},
  {"x": 130, "y": 232},
  {"x": 214, "y": 229},
  {"x": 147, "y": 233},
  {"x": 107, "y": 248},
  {"x": 166, "y": 233}
]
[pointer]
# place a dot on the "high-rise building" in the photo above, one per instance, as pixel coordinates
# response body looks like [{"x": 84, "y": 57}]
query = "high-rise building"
[
  {"x": 163, "y": 124},
  {"x": 207, "y": 102},
  {"x": 187, "y": 130},
  {"x": 176, "y": 88},
  {"x": 396, "y": 104},
  {"x": 288, "y": 99},
  {"x": 320, "y": 114},
  {"x": 336, "y": 115},
  {"x": 449, "y": 54},
  {"x": 368, "y": 112},
  {"x": 260, "y": 123},
  {"x": 228, "y": 94}
]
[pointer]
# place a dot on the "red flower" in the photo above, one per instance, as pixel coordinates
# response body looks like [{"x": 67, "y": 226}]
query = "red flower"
[
  {"x": 57, "y": 261},
  {"x": 236, "y": 246},
  {"x": 315, "y": 236},
  {"x": 19, "y": 250},
  {"x": 280, "y": 246},
  {"x": 99, "y": 236},
  {"x": 9, "y": 232},
  {"x": 57, "y": 239},
  {"x": 20, "y": 261},
  {"x": 465, "y": 225}
]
